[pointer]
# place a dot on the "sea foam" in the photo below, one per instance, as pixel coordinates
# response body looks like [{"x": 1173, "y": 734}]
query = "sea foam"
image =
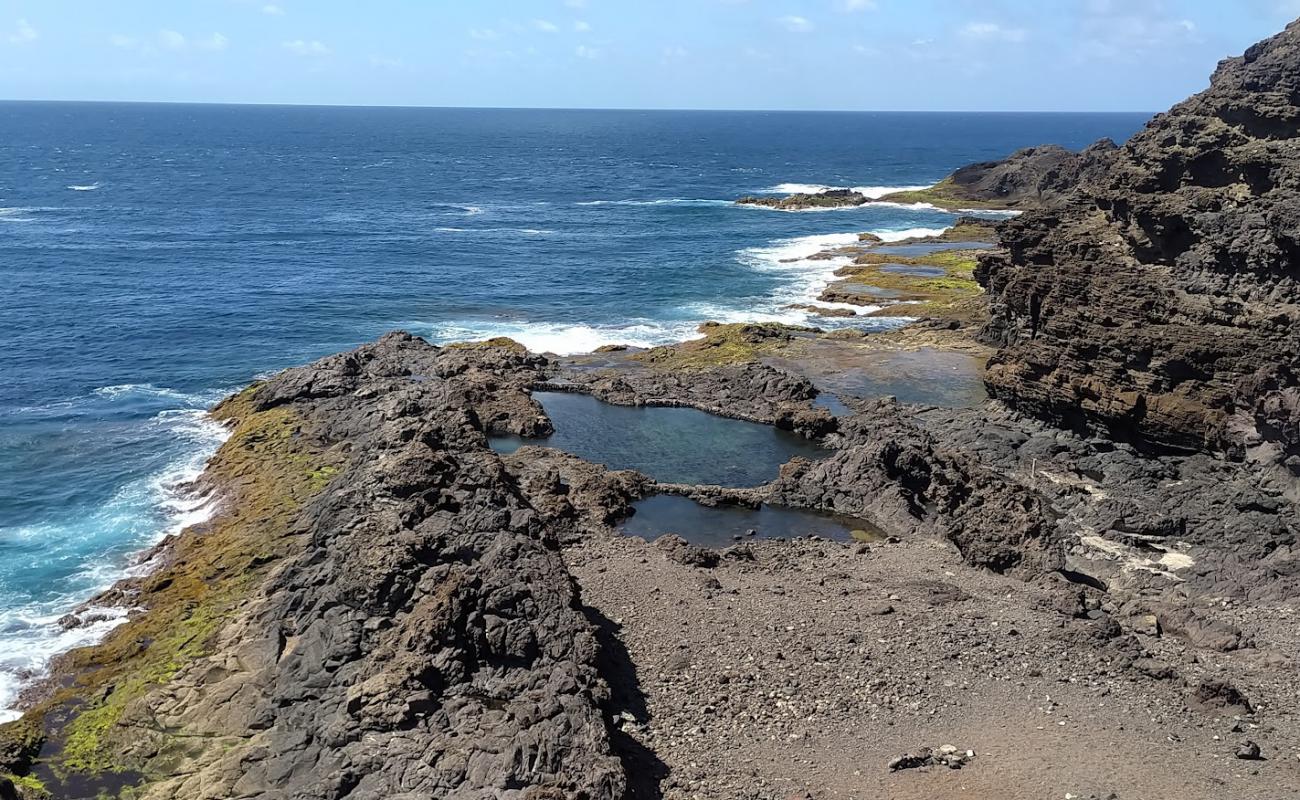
[{"x": 141, "y": 513}]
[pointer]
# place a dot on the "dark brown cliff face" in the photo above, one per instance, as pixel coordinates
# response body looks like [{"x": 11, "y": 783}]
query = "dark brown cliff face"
[{"x": 1162, "y": 301}]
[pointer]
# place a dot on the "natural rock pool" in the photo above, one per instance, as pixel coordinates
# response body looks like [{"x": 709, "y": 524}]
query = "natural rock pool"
[
  {"x": 719, "y": 526},
  {"x": 928, "y": 248},
  {"x": 678, "y": 445}
]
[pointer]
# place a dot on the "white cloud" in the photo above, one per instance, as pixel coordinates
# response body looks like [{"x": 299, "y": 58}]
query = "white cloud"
[
  {"x": 796, "y": 24},
  {"x": 991, "y": 31},
  {"x": 216, "y": 43},
  {"x": 24, "y": 33},
  {"x": 675, "y": 53},
  {"x": 124, "y": 42},
  {"x": 382, "y": 62},
  {"x": 856, "y": 5},
  {"x": 483, "y": 34},
  {"x": 172, "y": 40},
  {"x": 576, "y": 3},
  {"x": 545, "y": 25},
  {"x": 1131, "y": 31},
  {"x": 581, "y": 26},
  {"x": 302, "y": 47},
  {"x": 583, "y": 51},
  {"x": 271, "y": 9}
]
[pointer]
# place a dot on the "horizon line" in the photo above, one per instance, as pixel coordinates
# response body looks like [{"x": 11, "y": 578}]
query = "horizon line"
[{"x": 565, "y": 108}]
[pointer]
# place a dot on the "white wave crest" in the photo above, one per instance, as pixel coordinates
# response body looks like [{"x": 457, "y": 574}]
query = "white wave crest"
[
  {"x": 141, "y": 512},
  {"x": 88, "y": 187},
  {"x": 665, "y": 201},
  {"x": 559, "y": 338},
  {"x": 873, "y": 192}
]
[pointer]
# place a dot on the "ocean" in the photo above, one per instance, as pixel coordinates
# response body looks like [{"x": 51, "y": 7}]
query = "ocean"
[{"x": 154, "y": 258}]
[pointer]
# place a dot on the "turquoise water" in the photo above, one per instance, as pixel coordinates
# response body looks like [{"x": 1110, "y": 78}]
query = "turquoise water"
[{"x": 153, "y": 257}]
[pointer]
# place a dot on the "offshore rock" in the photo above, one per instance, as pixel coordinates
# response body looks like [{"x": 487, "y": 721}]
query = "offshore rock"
[{"x": 1160, "y": 302}]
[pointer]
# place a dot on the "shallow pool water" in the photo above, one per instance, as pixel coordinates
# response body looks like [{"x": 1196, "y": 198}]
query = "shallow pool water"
[
  {"x": 721, "y": 526},
  {"x": 677, "y": 445},
  {"x": 929, "y": 247},
  {"x": 911, "y": 269}
]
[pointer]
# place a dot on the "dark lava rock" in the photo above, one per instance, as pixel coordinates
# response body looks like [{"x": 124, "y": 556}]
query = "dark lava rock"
[
  {"x": 1159, "y": 302},
  {"x": 1248, "y": 751},
  {"x": 1219, "y": 696},
  {"x": 422, "y": 637},
  {"x": 831, "y": 198},
  {"x": 1033, "y": 176},
  {"x": 675, "y": 548}
]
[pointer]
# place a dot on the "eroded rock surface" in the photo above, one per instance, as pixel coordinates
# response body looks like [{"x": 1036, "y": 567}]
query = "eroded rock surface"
[
  {"x": 1161, "y": 302},
  {"x": 420, "y": 638}
]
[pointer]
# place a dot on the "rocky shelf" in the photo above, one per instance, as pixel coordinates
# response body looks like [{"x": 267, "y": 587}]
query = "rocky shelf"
[{"x": 1086, "y": 585}]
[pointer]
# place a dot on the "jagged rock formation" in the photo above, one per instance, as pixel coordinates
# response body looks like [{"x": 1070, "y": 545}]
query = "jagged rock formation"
[
  {"x": 1033, "y": 177},
  {"x": 1161, "y": 301},
  {"x": 400, "y": 625},
  {"x": 831, "y": 198}
]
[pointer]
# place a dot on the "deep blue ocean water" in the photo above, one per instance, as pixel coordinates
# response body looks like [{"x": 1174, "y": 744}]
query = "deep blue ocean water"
[{"x": 154, "y": 257}]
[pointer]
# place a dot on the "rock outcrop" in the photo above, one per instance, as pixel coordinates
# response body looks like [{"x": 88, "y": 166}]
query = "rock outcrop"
[
  {"x": 391, "y": 620},
  {"x": 1034, "y": 177},
  {"x": 804, "y": 201},
  {"x": 1160, "y": 302}
]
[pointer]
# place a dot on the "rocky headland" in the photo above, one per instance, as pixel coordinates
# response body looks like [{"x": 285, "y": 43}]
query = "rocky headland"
[{"x": 1084, "y": 586}]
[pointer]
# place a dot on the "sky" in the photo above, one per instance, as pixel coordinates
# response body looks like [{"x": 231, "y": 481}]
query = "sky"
[{"x": 880, "y": 55}]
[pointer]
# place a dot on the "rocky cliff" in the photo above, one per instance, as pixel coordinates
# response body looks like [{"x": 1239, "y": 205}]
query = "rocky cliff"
[{"x": 1160, "y": 301}]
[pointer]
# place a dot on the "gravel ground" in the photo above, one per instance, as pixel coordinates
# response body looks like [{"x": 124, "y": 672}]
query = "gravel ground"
[{"x": 804, "y": 671}]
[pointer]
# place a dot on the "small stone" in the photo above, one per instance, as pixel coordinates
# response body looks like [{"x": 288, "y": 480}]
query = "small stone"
[{"x": 1248, "y": 751}]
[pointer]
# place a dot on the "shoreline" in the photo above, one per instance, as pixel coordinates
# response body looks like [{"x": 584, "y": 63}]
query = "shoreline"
[{"x": 815, "y": 249}]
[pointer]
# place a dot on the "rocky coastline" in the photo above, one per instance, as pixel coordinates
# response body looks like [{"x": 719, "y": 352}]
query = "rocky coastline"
[{"x": 1083, "y": 584}]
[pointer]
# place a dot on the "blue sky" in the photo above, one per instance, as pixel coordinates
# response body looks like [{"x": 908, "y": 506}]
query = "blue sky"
[{"x": 1092, "y": 55}]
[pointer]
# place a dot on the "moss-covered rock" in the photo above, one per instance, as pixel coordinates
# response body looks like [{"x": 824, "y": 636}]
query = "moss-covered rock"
[
  {"x": 732, "y": 343},
  {"x": 267, "y": 470},
  {"x": 498, "y": 342}
]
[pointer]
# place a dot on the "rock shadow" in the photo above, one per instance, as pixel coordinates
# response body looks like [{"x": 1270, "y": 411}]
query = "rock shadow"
[{"x": 645, "y": 772}]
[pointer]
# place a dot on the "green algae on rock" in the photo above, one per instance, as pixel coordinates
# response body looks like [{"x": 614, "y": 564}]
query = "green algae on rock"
[
  {"x": 88, "y": 721},
  {"x": 730, "y": 343}
]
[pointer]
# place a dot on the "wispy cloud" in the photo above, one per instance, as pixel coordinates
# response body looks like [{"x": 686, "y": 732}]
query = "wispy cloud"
[
  {"x": 856, "y": 5},
  {"x": 675, "y": 53},
  {"x": 483, "y": 34},
  {"x": 992, "y": 31},
  {"x": 303, "y": 47},
  {"x": 583, "y": 51},
  {"x": 582, "y": 26},
  {"x": 216, "y": 43},
  {"x": 796, "y": 24},
  {"x": 545, "y": 26},
  {"x": 1131, "y": 30},
  {"x": 123, "y": 41},
  {"x": 576, "y": 3},
  {"x": 172, "y": 40},
  {"x": 271, "y": 9},
  {"x": 23, "y": 33}
]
